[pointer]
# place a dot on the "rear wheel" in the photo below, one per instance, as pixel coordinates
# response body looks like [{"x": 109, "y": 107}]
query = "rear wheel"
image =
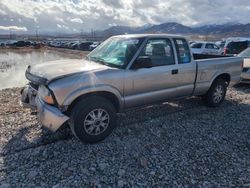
[
  {"x": 216, "y": 94},
  {"x": 93, "y": 119}
]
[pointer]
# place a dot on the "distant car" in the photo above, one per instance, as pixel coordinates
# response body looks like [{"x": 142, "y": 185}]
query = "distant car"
[
  {"x": 74, "y": 46},
  {"x": 27, "y": 43},
  {"x": 233, "y": 48},
  {"x": 20, "y": 43},
  {"x": 70, "y": 44},
  {"x": 221, "y": 45},
  {"x": 191, "y": 42},
  {"x": 245, "y": 75},
  {"x": 235, "y": 45},
  {"x": 84, "y": 46},
  {"x": 94, "y": 45},
  {"x": 205, "y": 48},
  {"x": 2, "y": 44},
  {"x": 10, "y": 42}
]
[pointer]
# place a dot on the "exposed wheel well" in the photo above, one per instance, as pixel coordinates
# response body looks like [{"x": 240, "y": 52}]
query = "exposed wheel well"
[
  {"x": 225, "y": 77},
  {"x": 107, "y": 95}
]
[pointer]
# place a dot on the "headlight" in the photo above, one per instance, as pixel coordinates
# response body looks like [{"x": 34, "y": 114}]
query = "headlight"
[{"x": 45, "y": 94}]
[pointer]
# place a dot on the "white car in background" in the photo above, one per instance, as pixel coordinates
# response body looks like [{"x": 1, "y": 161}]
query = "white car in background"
[{"x": 205, "y": 48}]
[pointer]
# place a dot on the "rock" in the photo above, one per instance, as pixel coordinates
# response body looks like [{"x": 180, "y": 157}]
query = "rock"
[
  {"x": 5, "y": 185},
  {"x": 32, "y": 174},
  {"x": 121, "y": 172},
  {"x": 161, "y": 176},
  {"x": 102, "y": 166},
  {"x": 92, "y": 169},
  {"x": 64, "y": 165},
  {"x": 84, "y": 170},
  {"x": 120, "y": 184},
  {"x": 193, "y": 181},
  {"x": 206, "y": 184},
  {"x": 152, "y": 173},
  {"x": 143, "y": 162},
  {"x": 56, "y": 186},
  {"x": 67, "y": 173},
  {"x": 95, "y": 183}
]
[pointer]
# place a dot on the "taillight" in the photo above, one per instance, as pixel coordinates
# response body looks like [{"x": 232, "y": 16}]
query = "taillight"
[{"x": 225, "y": 51}]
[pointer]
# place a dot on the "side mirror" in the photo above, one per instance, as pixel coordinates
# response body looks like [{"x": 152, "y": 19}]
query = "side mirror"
[{"x": 142, "y": 62}]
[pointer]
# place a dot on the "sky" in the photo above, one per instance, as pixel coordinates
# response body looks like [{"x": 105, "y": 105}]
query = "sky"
[{"x": 74, "y": 16}]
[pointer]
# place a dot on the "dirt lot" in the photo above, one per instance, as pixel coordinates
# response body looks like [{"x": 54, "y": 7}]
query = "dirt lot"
[{"x": 176, "y": 144}]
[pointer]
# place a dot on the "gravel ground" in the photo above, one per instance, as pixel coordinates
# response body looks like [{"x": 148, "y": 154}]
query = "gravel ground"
[{"x": 176, "y": 144}]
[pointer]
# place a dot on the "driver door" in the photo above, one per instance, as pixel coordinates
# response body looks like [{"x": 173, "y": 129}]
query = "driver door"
[{"x": 155, "y": 83}]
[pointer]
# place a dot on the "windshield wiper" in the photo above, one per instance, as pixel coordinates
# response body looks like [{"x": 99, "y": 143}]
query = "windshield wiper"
[{"x": 98, "y": 59}]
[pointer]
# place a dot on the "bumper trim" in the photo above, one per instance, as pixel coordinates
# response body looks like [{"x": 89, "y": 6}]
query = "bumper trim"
[{"x": 50, "y": 117}]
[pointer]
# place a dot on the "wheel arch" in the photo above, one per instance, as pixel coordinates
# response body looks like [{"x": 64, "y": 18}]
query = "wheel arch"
[
  {"x": 105, "y": 94},
  {"x": 224, "y": 76}
]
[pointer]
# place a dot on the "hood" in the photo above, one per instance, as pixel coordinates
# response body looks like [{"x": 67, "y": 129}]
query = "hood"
[{"x": 46, "y": 72}]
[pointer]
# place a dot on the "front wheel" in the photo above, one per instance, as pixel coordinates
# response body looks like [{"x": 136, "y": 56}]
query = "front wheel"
[
  {"x": 216, "y": 94},
  {"x": 93, "y": 119}
]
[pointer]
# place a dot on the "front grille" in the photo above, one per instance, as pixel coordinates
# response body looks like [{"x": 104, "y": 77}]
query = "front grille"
[
  {"x": 245, "y": 69},
  {"x": 34, "y": 86}
]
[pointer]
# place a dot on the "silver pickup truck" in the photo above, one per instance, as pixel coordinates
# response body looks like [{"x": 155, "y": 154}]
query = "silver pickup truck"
[{"x": 124, "y": 72}]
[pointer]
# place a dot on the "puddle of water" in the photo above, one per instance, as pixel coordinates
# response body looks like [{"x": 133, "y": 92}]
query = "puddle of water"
[{"x": 14, "y": 63}]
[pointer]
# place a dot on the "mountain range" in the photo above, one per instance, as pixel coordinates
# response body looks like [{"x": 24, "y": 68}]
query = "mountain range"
[{"x": 224, "y": 30}]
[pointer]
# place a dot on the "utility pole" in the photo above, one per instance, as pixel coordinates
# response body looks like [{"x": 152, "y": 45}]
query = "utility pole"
[
  {"x": 36, "y": 34},
  {"x": 92, "y": 34},
  {"x": 81, "y": 35}
]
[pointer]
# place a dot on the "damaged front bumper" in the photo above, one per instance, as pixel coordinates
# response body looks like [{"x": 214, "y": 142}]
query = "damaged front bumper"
[
  {"x": 28, "y": 96},
  {"x": 50, "y": 116}
]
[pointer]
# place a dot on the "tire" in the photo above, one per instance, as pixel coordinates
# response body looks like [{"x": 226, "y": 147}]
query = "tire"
[
  {"x": 216, "y": 94},
  {"x": 93, "y": 119}
]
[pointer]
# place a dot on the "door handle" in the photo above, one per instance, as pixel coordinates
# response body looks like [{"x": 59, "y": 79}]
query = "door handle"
[{"x": 175, "y": 71}]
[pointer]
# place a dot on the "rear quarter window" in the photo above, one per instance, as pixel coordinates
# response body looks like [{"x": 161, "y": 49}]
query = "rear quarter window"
[{"x": 182, "y": 50}]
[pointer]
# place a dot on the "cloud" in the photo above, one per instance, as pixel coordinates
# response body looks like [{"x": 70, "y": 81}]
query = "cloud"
[
  {"x": 13, "y": 28},
  {"x": 2, "y": 12},
  {"x": 82, "y": 15},
  {"x": 113, "y": 3},
  {"x": 77, "y": 20}
]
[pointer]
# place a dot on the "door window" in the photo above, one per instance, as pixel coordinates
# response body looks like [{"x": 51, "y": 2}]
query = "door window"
[
  {"x": 216, "y": 47},
  {"x": 209, "y": 46},
  {"x": 160, "y": 51}
]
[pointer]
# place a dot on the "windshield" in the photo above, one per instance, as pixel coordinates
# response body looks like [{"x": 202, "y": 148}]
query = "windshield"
[
  {"x": 115, "y": 51},
  {"x": 245, "y": 53}
]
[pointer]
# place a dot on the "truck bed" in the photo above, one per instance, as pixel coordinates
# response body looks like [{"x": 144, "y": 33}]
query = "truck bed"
[{"x": 210, "y": 67}]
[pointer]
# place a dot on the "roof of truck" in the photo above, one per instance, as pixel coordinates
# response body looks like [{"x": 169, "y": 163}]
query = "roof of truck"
[{"x": 149, "y": 35}]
